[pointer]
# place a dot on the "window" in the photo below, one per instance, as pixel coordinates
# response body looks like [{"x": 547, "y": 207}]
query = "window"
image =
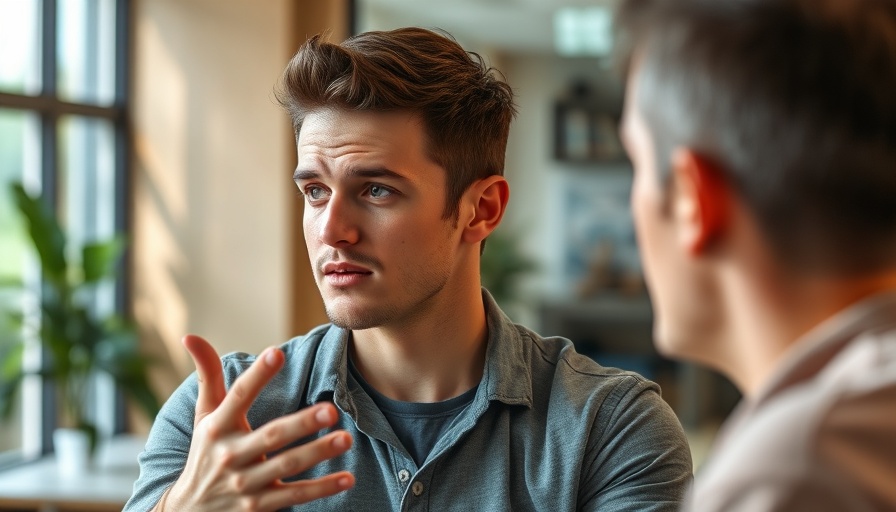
[{"x": 63, "y": 100}]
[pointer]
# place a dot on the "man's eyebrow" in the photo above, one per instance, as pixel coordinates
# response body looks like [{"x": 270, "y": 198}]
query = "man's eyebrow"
[
  {"x": 301, "y": 174},
  {"x": 375, "y": 172}
]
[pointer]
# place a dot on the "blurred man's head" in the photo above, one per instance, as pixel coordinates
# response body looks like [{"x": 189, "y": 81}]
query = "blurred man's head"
[
  {"x": 787, "y": 110},
  {"x": 793, "y": 100}
]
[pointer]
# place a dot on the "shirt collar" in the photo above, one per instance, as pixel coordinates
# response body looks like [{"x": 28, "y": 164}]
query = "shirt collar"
[
  {"x": 507, "y": 376},
  {"x": 508, "y": 366},
  {"x": 822, "y": 344}
]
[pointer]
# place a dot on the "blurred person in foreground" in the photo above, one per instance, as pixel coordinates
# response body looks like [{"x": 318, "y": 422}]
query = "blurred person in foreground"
[
  {"x": 763, "y": 137},
  {"x": 446, "y": 403}
]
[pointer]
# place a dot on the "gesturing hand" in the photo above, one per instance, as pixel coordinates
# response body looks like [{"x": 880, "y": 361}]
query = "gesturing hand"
[{"x": 227, "y": 467}]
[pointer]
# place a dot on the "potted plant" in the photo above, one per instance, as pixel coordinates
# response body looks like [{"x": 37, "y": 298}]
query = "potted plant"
[
  {"x": 502, "y": 264},
  {"x": 76, "y": 342}
]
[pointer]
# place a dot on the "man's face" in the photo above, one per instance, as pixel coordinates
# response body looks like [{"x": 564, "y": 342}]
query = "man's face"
[
  {"x": 670, "y": 272},
  {"x": 379, "y": 247}
]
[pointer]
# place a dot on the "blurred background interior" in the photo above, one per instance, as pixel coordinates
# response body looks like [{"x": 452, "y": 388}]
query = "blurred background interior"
[{"x": 156, "y": 119}]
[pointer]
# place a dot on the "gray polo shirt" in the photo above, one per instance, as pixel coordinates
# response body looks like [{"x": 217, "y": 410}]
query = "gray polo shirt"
[{"x": 548, "y": 429}]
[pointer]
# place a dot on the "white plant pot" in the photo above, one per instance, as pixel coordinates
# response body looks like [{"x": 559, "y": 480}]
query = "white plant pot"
[{"x": 72, "y": 448}]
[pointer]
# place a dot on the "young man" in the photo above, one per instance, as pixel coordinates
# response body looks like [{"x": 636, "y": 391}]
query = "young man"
[
  {"x": 446, "y": 404},
  {"x": 763, "y": 136}
]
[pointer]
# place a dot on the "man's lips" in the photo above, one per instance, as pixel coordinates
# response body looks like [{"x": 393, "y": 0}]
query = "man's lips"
[
  {"x": 344, "y": 275},
  {"x": 344, "y": 268}
]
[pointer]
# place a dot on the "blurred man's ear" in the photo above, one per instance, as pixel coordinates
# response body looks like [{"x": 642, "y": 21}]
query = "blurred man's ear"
[
  {"x": 701, "y": 200},
  {"x": 486, "y": 201}
]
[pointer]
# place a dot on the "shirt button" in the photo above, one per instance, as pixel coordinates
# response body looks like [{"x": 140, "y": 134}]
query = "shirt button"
[
  {"x": 403, "y": 476},
  {"x": 417, "y": 488}
]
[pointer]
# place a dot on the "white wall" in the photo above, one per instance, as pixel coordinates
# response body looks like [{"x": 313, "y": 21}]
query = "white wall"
[{"x": 211, "y": 180}]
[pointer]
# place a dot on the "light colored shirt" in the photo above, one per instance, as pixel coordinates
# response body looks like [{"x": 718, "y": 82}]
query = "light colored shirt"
[
  {"x": 821, "y": 434},
  {"x": 548, "y": 429}
]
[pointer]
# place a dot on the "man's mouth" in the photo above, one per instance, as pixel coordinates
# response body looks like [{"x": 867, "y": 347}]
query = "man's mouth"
[
  {"x": 345, "y": 275},
  {"x": 344, "y": 268}
]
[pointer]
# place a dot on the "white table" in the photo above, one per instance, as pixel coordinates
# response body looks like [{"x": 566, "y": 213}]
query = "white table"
[{"x": 106, "y": 487}]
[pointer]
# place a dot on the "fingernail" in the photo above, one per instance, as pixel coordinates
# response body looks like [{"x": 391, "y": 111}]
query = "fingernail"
[
  {"x": 344, "y": 482},
  {"x": 340, "y": 442},
  {"x": 323, "y": 415},
  {"x": 270, "y": 356}
]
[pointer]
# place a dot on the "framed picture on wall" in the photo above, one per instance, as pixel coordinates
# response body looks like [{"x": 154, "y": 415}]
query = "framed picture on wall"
[{"x": 586, "y": 131}]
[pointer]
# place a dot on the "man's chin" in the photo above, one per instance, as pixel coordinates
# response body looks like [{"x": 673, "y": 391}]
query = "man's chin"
[
  {"x": 353, "y": 318},
  {"x": 666, "y": 344},
  {"x": 679, "y": 347},
  {"x": 667, "y": 350}
]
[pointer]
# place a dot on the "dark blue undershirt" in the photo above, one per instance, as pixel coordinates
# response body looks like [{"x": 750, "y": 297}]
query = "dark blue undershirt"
[{"x": 418, "y": 425}]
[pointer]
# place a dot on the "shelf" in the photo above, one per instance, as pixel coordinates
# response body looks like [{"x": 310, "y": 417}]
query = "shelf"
[{"x": 107, "y": 486}]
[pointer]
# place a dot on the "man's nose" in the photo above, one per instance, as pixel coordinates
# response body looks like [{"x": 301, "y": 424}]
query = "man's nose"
[{"x": 338, "y": 224}]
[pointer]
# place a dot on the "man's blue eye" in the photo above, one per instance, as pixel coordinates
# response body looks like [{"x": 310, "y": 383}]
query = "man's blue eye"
[
  {"x": 315, "y": 192},
  {"x": 378, "y": 191}
]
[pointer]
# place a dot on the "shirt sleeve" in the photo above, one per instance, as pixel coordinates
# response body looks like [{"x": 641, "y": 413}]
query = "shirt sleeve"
[
  {"x": 165, "y": 455},
  {"x": 638, "y": 459}
]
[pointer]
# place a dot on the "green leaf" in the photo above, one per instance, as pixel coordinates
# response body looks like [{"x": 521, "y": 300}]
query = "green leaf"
[
  {"x": 129, "y": 371},
  {"x": 55, "y": 326},
  {"x": 10, "y": 360},
  {"x": 99, "y": 259},
  {"x": 11, "y": 321},
  {"x": 118, "y": 354},
  {"x": 92, "y": 434},
  {"x": 503, "y": 263},
  {"x": 11, "y": 282},
  {"x": 137, "y": 388},
  {"x": 139, "y": 391},
  {"x": 10, "y": 376},
  {"x": 45, "y": 232},
  {"x": 8, "y": 393}
]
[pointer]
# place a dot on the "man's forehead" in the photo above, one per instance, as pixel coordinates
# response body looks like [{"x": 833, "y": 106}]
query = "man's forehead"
[{"x": 354, "y": 131}]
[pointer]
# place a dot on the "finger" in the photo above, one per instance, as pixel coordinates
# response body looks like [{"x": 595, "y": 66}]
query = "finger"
[
  {"x": 246, "y": 388},
  {"x": 295, "y": 493},
  {"x": 209, "y": 374},
  {"x": 282, "y": 431},
  {"x": 294, "y": 461}
]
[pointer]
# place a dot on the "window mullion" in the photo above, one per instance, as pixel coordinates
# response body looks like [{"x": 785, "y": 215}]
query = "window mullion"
[
  {"x": 49, "y": 163},
  {"x": 49, "y": 158},
  {"x": 122, "y": 161}
]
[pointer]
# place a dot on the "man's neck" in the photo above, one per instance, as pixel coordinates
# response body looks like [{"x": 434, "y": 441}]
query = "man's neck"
[
  {"x": 435, "y": 356},
  {"x": 779, "y": 320}
]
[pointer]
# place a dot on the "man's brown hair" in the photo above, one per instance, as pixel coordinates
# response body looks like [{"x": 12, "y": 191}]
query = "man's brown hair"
[{"x": 465, "y": 109}]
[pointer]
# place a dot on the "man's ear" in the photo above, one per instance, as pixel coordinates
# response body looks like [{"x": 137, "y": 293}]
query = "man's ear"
[
  {"x": 702, "y": 200},
  {"x": 487, "y": 199}
]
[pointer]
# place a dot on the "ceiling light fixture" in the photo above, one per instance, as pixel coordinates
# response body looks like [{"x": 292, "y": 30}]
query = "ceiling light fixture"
[{"x": 583, "y": 31}]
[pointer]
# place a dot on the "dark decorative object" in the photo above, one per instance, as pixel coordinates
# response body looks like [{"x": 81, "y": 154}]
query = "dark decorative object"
[{"x": 586, "y": 128}]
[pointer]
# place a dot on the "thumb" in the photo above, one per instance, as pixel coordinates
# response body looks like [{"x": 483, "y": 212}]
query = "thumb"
[{"x": 209, "y": 373}]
